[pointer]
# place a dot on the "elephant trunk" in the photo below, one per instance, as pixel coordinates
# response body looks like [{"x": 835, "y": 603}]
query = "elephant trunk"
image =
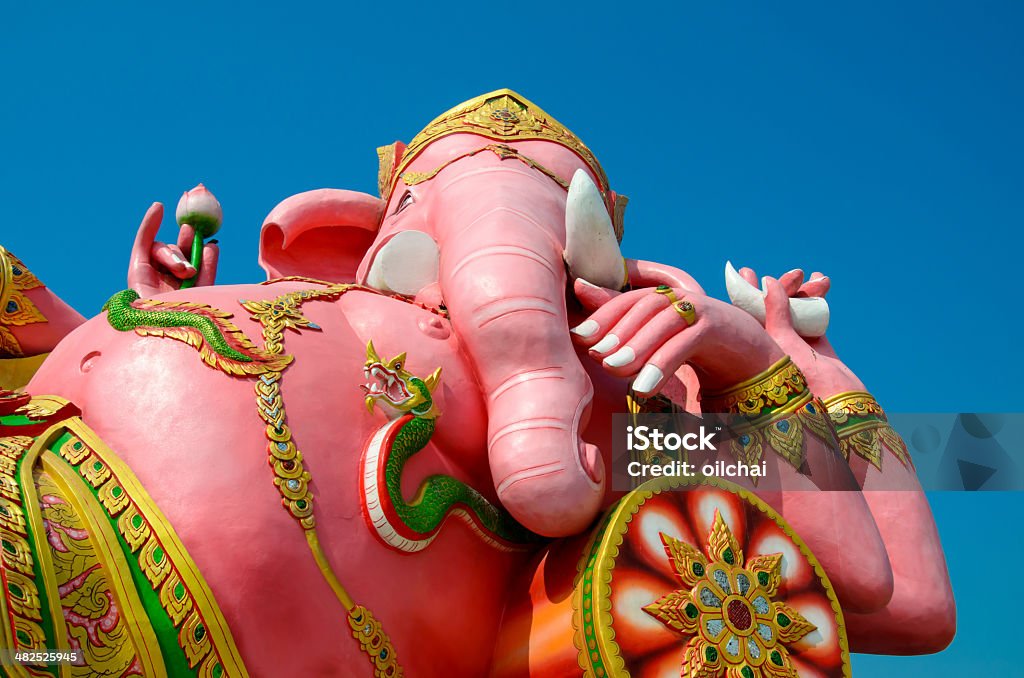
[{"x": 505, "y": 281}]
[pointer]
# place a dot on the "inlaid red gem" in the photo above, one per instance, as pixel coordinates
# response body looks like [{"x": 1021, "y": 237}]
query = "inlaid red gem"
[{"x": 739, "y": 615}]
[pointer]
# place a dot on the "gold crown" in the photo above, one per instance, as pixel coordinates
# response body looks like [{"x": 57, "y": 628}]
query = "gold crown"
[{"x": 501, "y": 115}]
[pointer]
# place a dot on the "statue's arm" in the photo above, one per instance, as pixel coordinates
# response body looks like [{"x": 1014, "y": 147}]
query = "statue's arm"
[
  {"x": 920, "y": 617},
  {"x": 32, "y": 320}
]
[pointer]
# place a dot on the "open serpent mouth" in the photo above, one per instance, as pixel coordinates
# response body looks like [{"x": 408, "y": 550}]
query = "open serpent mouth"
[{"x": 384, "y": 383}]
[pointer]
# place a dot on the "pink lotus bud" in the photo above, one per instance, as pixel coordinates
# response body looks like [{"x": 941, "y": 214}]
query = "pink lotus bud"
[{"x": 200, "y": 209}]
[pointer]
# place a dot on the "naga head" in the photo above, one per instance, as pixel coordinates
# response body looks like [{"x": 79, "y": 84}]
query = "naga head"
[{"x": 396, "y": 389}]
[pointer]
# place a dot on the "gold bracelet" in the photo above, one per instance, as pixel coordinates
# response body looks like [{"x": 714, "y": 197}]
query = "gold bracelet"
[
  {"x": 775, "y": 409},
  {"x": 780, "y": 389},
  {"x": 863, "y": 428}
]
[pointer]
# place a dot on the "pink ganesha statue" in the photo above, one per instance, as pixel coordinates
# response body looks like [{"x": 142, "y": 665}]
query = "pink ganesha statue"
[{"x": 394, "y": 457}]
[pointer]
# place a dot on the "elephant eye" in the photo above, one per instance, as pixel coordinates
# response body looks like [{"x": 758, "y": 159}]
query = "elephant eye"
[{"x": 404, "y": 202}]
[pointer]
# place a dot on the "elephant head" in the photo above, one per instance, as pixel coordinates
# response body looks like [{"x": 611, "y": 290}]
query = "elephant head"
[{"x": 481, "y": 213}]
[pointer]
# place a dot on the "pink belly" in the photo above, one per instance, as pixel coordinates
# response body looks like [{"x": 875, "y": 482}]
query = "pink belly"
[{"x": 192, "y": 435}]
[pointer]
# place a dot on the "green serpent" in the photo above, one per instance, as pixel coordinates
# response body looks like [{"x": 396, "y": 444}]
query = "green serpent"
[
  {"x": 220, "y": 343},
  {"x": 412, "y": 419}
]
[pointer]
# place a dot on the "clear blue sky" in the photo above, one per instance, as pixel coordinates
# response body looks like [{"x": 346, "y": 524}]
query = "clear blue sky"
[{"x": 881, "y": 143}]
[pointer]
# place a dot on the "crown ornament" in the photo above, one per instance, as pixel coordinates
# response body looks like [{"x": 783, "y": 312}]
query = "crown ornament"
[{"x": 504, "y": 116}]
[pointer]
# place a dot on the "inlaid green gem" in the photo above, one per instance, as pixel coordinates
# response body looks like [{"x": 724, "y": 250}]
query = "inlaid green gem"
[
  {"x": 698, "y": 569},
  {"x": 691, "y": 611},
  {"x": 300, "y": 504},
  {"x": 711, "y": 654},
  {"x": 8, "y": 546},
  {"x": 116, "y": 492},
  {"x": 97, "y": 466},
  {"x": 179, "y": 591},
  {"x": 77, "y": 445},
  {"x": 199, "y": 633},
  {"x": 23, "y": 638},
  {"x": 218, "y": 670},
  {"x": 136, "y": 521},
  {"x": 783, "y": 620},
  {"x": 158, "y": 555},
  {"x": 3, "y": 511},
  {"x": 728, "y": 556},
  {"x": 762, "y": 578},
  {"x": 15, "y": 590},
  {"x": 747, "y": 672},
  {"x": 776, "y": 658}
]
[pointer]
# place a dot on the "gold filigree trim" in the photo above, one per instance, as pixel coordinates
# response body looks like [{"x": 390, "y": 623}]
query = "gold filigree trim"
[
  {"x": 864, "y": 428},
  {"x": 203, "y": 636},
  {"x": 781, "y": 386},
  {"x": 501, "y": 150},
  {"x": 41, "y": 407},
  {"x": 867, "y": 441},
  {"x": 16, "y": 309},
  {"x": 785, "y": 433},
  {"x": 853, "y": 403},
  {"x": 20, "y": 606},
  {"x": 374, "y": 642},
  {"x": 90, "y": 573},
  {"x": 502, "y": 115},
  {"x": 284, "y": 457}
]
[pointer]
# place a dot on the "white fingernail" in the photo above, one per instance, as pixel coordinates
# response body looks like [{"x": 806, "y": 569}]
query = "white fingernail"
[
  {"x": 178, "y": 258},
  {"x": 649, "y": 377},
  {"x": 623, "y": 356},
  {"x": 608, "y": 343},
  {"x": 585, "y": 328},
  {"x": 764, "y": 284},
  {"x": 588, "y": 284}
]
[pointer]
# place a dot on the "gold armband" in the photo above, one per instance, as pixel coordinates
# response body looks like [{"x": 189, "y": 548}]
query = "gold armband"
[
  {"x": 774, "y": 408},
  {"x": 863, "y": 428},
  {"x": 778, "y": 390}
]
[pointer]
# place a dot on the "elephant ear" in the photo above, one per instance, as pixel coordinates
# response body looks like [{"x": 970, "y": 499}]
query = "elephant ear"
[{"x": 319, "y": 234}]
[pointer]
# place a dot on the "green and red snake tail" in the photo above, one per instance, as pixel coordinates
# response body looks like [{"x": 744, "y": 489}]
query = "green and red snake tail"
[
  {"x": 411, "y": 526},
  {"x": 220, "y": 343}
]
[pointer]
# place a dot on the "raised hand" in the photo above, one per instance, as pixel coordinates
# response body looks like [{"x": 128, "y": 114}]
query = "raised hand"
[
  {"x": 157, "y": 267},
  {"x": 826, "y": 373},
  {"x": 649, "y": 333}
]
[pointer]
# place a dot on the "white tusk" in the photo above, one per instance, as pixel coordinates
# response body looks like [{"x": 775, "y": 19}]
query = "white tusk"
[
  {"x": 810, "y": 315},
  {"x": 405, "y": 264},
  {"x": 742, "y": 294},
  {"x": 591, "y": 249}
]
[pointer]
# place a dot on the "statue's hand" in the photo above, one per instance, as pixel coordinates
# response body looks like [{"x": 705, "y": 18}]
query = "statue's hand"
[
  {"x": 641, "y": 333},
  {"x": 826, "y": 373},
  {"x": 157, "y": 267}
]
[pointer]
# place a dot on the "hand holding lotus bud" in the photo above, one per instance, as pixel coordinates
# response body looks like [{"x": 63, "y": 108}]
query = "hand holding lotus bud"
[
  {"x": 157, "y": 267},
  {"x": 199, "y": 209}
]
